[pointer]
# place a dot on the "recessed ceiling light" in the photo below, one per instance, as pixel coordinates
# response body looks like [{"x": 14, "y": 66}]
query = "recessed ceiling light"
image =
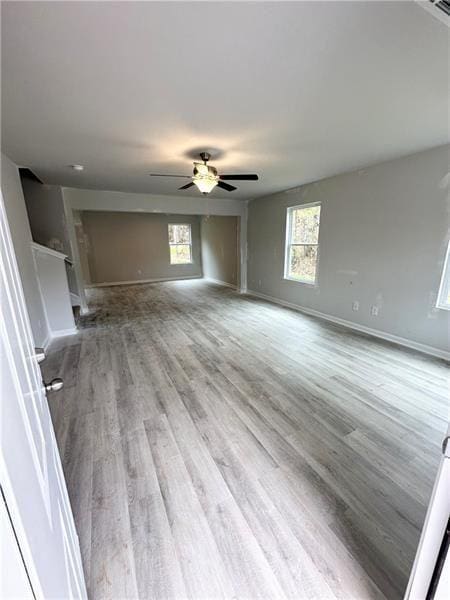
[{"x": 77, "y": 167}]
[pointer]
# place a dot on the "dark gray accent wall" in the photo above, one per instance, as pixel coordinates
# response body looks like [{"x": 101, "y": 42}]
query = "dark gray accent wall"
[
  {"x": 123, "y": 246},
  {"x": 383, "y": 237}
]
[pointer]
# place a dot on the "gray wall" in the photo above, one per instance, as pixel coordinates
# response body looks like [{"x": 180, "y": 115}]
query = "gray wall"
[
  {"x": 45, "y": 208},
  {"x": 76, "y": 199},
  {"x": 383, "y": 236},
  {"x": 124, "y": 246},
  {"x": 219, "y": 239},
  {"x": 21, "y": 239},
  {"x": 83, "y": 244}
]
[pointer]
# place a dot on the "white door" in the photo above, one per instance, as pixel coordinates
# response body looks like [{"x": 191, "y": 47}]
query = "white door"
[
  {"x": 14, "y": 583},
  {"x": 31, "y": 476},
  {"x": 433, "y": 532}
]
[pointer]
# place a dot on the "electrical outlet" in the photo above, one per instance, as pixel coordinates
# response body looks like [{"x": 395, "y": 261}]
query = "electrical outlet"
[
  {"x": 374, "y": 311},
  {"x": 355, "y": 305}
]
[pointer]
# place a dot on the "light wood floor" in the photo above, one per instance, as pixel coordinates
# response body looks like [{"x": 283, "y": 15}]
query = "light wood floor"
[{"x": 217, "y": 446}]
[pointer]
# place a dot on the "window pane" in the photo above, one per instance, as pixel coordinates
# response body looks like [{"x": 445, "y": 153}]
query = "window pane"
[
  {"x": 184, "y": 234},
  {"x": 179, "y": 234},
  {"x": 303, "y": 262},
  {"x": 180, "y": 254},
  {"x": 305, "y": 225}
]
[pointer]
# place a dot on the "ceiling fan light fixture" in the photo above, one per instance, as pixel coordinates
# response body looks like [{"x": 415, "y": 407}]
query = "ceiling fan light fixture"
[
  {"x": 205, "y": 183},
  {"x": 201, "y": 169}
]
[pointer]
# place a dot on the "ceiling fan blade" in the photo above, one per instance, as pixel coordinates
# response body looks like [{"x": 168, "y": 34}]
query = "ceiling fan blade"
[
  {"x": 165, "y": 175},
  {"x": 188, "y": 185},
  {"x": 226, "y": 186},
  {"x": 237, "y": 177}
]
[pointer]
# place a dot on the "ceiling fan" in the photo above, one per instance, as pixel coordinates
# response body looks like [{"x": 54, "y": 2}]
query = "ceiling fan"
[{"x": 206, "y": 178}]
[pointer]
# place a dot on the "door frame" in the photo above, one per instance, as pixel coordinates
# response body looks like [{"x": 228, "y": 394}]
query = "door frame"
[{"x": 433, "y": 531}]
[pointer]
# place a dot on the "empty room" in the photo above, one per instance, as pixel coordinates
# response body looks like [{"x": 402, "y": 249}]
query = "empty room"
[{"x": 225, "y": 300}]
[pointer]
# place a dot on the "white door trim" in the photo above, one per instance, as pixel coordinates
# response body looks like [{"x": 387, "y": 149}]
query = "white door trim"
[{"x": 433, "y": 531}]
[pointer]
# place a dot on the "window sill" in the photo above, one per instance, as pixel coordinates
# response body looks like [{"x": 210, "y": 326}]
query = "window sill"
[
  {"x": 302, "y": 281},
  {"x": 443, "y": 306},
  {"x": 180, "y": 264}
]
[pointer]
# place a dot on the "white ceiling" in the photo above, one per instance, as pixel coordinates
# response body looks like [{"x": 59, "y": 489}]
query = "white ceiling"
[{"x": 294, "y": 91}]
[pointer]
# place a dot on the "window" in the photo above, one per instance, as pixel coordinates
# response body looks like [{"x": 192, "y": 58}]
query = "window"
[
  {"x": 443, "y": 300},
  {"x": 302, "y": 243},
  {"x": 180, "y": 244}
]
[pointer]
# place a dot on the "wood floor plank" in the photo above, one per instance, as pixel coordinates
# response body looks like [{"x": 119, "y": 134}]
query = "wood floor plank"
[
  {"x": 243, "y": 558},
  {"x": 219, "y": 446},
  {"x": 112, "y": 572},
  {"x": 203, "y": 568},
  {"x": 158, "y": 569},
  {"x": 287, "y": 558}
]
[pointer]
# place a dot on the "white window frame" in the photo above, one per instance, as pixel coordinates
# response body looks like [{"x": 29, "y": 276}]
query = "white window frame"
[
  {"x": 287, "y": 245},
  {"x": 172, "y": 264},
  {"x": 444, "y": 286}
]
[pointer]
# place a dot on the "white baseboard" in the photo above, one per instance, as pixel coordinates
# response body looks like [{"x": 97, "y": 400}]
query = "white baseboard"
[
  {"x": 53, "y": 335},
  {"x": 63, "y": 332},
  {"x": 137, "y": 281},
  {"x": 356, "y": 327},
  {"x": 219, "y": 282}
]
